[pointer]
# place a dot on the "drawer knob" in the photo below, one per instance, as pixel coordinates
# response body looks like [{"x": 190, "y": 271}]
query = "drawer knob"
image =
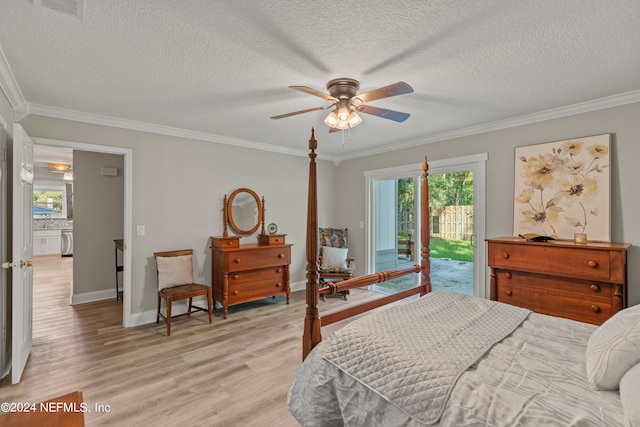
[
  {"x": 235, "y": 292},
  {"x": 595, "y": 309},
  {"x": 237, "y": 260},
  {"x": 595, "y": 288},
  {"x": 507, "y": 275},
  {"x": 278, "y": 285},
  {"x": 278, "y": 270},
  {"x": 235, "y": 277},
  {"x": 229, "y": 243},
  {"x": 592, "y": 264},
  {"x": 281, "y": 256},
  {"x": 508, "y": 292},
  {"x": 505, "y": 255}
]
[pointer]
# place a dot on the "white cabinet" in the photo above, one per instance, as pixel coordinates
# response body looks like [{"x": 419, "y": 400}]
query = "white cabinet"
[{"x": 46, "y": 242}]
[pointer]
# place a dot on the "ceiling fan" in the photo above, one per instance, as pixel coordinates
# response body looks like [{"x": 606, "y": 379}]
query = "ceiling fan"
[{"x": 343, "y": 96}]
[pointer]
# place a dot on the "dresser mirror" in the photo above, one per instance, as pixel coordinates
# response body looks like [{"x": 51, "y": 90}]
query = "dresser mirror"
[{"x": 243, "y": 211}]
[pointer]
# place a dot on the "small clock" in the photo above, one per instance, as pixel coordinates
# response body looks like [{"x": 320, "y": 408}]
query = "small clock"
[{"x": 272, "y": 228}]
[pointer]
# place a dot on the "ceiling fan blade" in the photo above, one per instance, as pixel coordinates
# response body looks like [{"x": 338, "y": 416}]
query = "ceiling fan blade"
[
  {"x": 396, "y": 116},
  {"x": 282, "y": 116},
  {"x": 399, "y": 88},
  {"x": 314, "y": 92},
  {"x": 332, "y": 130}
]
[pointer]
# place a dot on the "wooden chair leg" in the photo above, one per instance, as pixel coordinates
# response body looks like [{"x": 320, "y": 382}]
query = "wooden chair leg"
[
  {"x": 210, "y": 305},
  {"x": 168, "y": 309},
  {"x": 189, "y": 308},
  {"x": 158, "y": 315}
]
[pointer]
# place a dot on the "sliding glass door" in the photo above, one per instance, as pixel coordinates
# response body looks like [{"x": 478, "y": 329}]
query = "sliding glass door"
[{"x": 394, "y": 225}]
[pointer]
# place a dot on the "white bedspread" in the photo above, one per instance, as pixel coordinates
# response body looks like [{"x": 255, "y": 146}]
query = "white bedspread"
[
  {"x": 428, "y": 345},
  {"x": 535, "y": 376}
]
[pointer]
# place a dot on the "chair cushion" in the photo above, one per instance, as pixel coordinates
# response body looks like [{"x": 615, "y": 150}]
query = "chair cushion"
[
  {"x": 174, "y": 271},
  {"x": 613, "y": 349},
  {"x": 629, "y": 392},
  {"x": 334, "y": 258},
  {"x": 333, "y": 237}
]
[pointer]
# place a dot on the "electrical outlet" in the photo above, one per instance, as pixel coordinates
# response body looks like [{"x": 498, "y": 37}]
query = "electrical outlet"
[{"x": 140, "y": 230}]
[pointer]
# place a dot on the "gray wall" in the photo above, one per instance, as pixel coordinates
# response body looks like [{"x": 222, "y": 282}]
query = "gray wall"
[
  {"x": 179, "y": 184},
  {"x": 623, "y": 122},
  {"x": 98, "y": 220},
  {"x": 178, "y": 190}
]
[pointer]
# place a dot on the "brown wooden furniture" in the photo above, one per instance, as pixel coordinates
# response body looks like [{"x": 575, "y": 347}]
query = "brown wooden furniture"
[
  {"x": 405, "y": 244},
  {"x": 247, "y": 272},
  {"x": 119, "y": 244},
  {"x": 63, "y": 411},
  {"x": 179, "y": 288},
  {"x": 329, "y": 272},
  {"x": 312, "y": 322},
  {"x": 584, "y": 282}
]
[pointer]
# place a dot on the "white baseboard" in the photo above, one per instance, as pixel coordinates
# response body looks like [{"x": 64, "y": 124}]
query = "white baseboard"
[
  {"x": 93, "y": 296},
  {"x": 179, "y": 307}
]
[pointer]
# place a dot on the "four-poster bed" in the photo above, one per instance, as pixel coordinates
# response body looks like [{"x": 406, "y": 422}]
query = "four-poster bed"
[{"x": 449, "y": 359}]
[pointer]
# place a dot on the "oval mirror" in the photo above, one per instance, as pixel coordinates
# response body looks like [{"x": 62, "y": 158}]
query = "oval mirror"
[{"x": 244, "y": 211}]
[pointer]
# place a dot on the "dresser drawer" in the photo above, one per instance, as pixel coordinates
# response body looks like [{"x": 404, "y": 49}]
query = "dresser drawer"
[
  {"x": 266, "y": 257},
  {"x": 560, "y": 261},
  {"x": 255, "y": 284},
  {"x": 582, "y": 300}
]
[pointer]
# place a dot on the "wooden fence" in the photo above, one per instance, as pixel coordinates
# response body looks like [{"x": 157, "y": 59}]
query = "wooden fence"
[{"x": 451, "y": 222}]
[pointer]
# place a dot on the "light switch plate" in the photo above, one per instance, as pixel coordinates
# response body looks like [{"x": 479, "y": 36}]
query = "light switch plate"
[{"x": 140, "y": 230}]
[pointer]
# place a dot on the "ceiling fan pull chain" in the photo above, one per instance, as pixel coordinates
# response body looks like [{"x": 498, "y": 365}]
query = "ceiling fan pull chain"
[{"x": 342, "y": 138}]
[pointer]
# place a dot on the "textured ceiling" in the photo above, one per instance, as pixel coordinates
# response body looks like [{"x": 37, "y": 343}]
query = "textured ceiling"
[{"x": 218, "y": 70}]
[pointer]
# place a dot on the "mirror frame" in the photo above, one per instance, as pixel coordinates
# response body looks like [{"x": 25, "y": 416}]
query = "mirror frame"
[{"x": 229, "y": 211}]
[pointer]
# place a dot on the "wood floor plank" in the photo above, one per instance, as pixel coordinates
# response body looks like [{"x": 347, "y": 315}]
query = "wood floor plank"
[{"x": 234, "y": 372}]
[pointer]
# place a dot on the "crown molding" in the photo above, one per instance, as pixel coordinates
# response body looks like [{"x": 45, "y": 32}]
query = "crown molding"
[
  {"x": 9, "y": 85},
  {"x": 554, "y": 113},
  {"x": 61, "y": 113}
]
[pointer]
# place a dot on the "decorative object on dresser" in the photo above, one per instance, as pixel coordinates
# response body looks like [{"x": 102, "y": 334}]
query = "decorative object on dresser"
[
  {"x": 580, "y": 281},
  {"x": 175, "y": 282},
  {"x": 562, "y": 189},
  {"x": 243, "y": 272}
]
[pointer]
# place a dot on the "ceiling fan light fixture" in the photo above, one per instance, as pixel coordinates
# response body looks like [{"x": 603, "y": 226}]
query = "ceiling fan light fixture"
[
  {"x": 354, "y": 119},
  {"x": 332, "y": 119},
  {"x": 343, "y": 114}
]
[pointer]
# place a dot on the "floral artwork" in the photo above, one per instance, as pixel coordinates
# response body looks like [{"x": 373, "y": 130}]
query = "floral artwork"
[{"x": 562, "y": 188}]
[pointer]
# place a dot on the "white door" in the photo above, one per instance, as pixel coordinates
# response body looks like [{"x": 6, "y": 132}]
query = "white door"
[{"x": 22, "y": 275}]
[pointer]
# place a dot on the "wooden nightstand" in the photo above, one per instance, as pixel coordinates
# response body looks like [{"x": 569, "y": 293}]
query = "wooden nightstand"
[{"x": 585, "y": 282}]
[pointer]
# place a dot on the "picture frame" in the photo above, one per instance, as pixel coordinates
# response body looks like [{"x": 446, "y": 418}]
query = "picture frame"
[{"x": 562, "y": 189}]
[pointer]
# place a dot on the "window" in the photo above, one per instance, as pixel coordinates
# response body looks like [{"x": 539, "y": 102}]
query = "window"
[{"x": 49, "y": 201}]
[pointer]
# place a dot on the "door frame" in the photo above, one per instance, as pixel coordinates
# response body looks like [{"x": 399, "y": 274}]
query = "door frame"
[
  {"x": 475, "y": 163},
  {"x": 128, "y": 192}
]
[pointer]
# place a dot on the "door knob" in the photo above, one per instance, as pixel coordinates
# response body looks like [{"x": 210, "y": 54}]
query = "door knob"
[
  {"x": 27, "y": 263},
  {"x": 6, "y": 265}
]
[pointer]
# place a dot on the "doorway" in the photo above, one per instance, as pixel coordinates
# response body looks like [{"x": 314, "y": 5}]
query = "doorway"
[
  {"x": 393, "y": 220},
  {"x": 89, "y": 151}
]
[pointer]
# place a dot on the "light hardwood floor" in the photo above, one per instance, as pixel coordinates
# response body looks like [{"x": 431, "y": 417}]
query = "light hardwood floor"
[{"x": 234, "y": 372}]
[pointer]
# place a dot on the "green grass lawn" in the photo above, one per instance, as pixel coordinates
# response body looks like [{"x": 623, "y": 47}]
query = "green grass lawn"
[{"x": 459, "y": 250}]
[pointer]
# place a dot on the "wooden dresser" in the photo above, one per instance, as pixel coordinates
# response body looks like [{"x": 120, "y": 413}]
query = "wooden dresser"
[
  {"x": 585, "y": 282},
  {"x": 247, "y": 272}
]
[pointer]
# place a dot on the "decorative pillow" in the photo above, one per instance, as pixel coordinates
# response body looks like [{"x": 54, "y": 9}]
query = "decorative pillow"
[
  {"x": 629, "y": 392},
  {"x": 334, "y": 257},
  {"x": 174, "y": 271},
  {"x": 613, "y": 348}
]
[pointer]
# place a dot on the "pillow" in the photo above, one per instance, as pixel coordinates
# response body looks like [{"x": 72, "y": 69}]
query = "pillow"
[
  {"x": 629, "y": 392},
  {"x": 174, "y": 271},
  {"x": 613, "y": 348},
  {"x": 334, "y": 257}
]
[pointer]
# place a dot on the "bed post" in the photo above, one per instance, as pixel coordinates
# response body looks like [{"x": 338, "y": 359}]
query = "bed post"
[
  {"x": 312, "y": 336},
  {"x": 425, "y": 232}
]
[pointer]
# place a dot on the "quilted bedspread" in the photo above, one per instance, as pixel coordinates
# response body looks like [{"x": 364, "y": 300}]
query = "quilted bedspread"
[{"x": 412, "y": 355}]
